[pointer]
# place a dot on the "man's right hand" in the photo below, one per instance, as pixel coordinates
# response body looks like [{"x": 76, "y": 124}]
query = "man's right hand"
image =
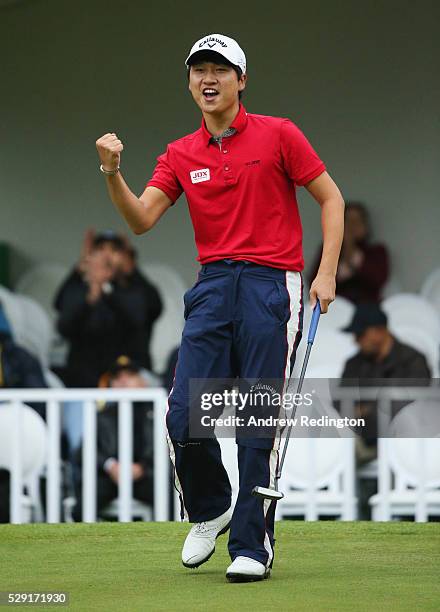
[
  {"x": 109, "y": 150},
  {"x": 137, "y": 471},
  {"x": 100, "y": 268},
  {"x": 113, "y": 472}
]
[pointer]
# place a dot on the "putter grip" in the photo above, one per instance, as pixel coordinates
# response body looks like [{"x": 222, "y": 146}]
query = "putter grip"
[{"x": 314, "y": 323}]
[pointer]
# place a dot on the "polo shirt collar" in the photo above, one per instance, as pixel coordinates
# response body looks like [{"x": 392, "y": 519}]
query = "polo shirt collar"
[{"x": 239, "y": 124}]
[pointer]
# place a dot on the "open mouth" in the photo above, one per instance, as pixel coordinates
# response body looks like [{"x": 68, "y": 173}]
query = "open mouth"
[{"x": 209, "y": 93}]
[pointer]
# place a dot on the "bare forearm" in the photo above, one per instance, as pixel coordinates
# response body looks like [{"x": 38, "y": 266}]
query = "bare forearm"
[
  {"x": 328, "y": 196},
  {"x": 332, "y": 220},
  {"x": 127, "y": 203}
]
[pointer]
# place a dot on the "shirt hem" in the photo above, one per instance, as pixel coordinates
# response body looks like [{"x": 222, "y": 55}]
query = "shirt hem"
[{"x": 297, "y": 267}]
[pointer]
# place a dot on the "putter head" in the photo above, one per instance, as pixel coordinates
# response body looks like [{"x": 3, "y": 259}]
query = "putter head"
[{"x": 266, "y": 493}]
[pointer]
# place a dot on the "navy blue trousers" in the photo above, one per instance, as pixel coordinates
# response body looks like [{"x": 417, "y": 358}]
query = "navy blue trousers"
[{"x": 242, "y": 320}]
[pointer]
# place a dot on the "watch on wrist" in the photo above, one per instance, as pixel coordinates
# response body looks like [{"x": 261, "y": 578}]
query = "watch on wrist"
[{"x": 109, "y": 172}]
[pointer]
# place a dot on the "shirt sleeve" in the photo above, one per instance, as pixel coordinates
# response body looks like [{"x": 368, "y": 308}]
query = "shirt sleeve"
[
  {"x": 165, "y": 178},
  {"x": 300, "y": 160}
]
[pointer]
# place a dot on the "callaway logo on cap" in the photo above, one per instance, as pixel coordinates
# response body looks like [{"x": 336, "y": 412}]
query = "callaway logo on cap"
[{"x": 225, "y": 46}]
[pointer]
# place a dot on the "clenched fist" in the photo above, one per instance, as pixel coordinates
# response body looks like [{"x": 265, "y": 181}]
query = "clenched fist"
[{"x": 109, "y": 150}]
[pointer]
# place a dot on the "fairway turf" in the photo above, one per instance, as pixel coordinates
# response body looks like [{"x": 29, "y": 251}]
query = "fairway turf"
[{"x": 136, "y": 567}]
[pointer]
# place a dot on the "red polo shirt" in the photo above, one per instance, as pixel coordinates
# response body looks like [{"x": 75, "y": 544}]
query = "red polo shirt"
[{"x": 241, "y": 196}]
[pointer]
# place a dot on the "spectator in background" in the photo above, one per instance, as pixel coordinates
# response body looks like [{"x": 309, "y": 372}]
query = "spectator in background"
[
  {"x": 363, "y": 267},
  {"x": 124, "y": 373},
  {"x": 385, "y": 360},
  {"x": 18, "y": 368},
  {"x": 105, "y": 308}
]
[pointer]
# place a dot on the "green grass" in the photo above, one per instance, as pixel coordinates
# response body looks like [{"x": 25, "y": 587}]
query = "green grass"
[{"x": 136, "y": 567}]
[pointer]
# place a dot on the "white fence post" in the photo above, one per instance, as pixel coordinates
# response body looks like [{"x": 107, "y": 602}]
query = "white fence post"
[
  {"x": 349, "y": 512},
  {"x": 53, "y": 462},
  {"x": 161, "y": 459},
  {"x": 125, "y": 451},
  {"x": 89, "y": 464},
  {"x": 421, "y": 506},
  {"x": 311, "y": 507},
  {"x": 16, "y": 464}
]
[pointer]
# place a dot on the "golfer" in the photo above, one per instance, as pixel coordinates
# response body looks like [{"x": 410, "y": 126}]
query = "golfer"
[{"x": 239, "y": 172}]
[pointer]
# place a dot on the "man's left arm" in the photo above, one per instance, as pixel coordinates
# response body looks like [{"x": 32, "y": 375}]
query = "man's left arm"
[{"x": 325, "y": 191}]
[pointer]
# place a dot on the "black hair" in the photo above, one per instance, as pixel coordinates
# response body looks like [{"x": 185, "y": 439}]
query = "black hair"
[
  {"x": 111, "y": 237},
  {"x": 215, "y": 58},
  {"x": 361, "y": 208}
]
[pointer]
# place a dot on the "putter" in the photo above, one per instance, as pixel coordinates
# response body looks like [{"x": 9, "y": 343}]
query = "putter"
[{"x": 274, "y": 494}]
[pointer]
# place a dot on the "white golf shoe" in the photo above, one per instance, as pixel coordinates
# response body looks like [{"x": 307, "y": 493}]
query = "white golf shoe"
[
  {"x": 199, "y": 545},
  {"x": 245, "y": 569}
]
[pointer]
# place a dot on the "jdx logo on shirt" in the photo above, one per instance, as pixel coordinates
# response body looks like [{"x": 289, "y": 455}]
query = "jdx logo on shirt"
[{"x": 197, "y": 176}]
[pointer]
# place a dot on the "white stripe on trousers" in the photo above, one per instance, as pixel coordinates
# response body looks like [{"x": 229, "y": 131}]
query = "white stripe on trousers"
[
  {"x": 273, "y": 460},
  {"x": 177, "y": 484},
  {"x": 294, "y": 288}
]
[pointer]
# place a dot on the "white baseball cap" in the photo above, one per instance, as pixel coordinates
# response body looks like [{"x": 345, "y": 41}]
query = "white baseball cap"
[{"x": 225, "y": 46}]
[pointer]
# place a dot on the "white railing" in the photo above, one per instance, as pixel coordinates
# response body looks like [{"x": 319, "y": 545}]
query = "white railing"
[
  {"x": 125, "y": 397},
  {"x": 53, "y": 399}
]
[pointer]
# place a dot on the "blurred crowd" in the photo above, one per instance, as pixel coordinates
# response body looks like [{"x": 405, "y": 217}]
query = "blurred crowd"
[{"x": 106, "y": 309}]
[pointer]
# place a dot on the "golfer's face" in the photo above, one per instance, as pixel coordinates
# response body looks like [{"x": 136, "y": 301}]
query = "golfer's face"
[{"x": 214, "y": 87}]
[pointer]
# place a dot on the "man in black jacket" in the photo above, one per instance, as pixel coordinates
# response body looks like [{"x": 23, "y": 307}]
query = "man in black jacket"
[
  {"x": 123, "y": 374},
  {"x": 381, "y": 361},
  {"x": 105, "y": 311}
]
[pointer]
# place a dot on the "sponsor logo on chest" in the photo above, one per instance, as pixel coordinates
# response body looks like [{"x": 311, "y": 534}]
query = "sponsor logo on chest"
[{"x": 198, "y": 176}]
